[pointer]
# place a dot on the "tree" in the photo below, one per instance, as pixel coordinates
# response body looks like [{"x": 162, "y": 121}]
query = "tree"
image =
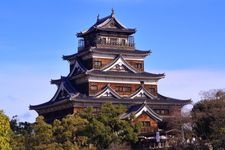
[
  {"x": 105, "y": 127},
  {"x": 5, "y": 132},
  {"x": 21, "y": 132},
  {"x": 87, "y": 130},
  {"x": 42, "y": 136},
  {"x": 65, "y": 132},
  {"x": 209, "y": 120}
]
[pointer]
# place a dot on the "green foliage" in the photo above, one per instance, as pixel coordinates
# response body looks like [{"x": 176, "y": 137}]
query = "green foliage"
[
  {"x": 42, "y": 135},
  {"x": 85, "y": 131},
  {"x": 106, "y": 127},
  {"x": 65, "y": 132},
  {"x": 4, "y": 132},
  {"x": 209, "y": 120},
  {"x": 20, "y": 134}
]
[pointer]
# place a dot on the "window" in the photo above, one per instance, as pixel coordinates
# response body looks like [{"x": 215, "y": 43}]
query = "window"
[
  {"x": 113, "y": 40},
  {"x": 146, "y": 123},
  {"x": 97, "y": 64},
  {"x": 123, "y": 41},
  {"x": 139, "y": 66},
  {"x": 94, "y": 88},
  {"x": 152, "y": 90},
  {"x": 123, "y": 89},
  {"x": 119, "y": 89},
  {"x": 81, "y": 43},
  {"x": 162, "y": 111},
  {"x": 126, "y": 89},
  {"x": 103, "y": 40},
  {"x": 131, "y": 39}
]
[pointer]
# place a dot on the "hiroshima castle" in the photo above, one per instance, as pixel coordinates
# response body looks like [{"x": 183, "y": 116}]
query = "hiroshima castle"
[{"x": 107, "y": 67}]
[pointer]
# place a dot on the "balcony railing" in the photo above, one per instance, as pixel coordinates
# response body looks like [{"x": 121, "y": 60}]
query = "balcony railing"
[
  {"x": 129, "y": 44},
  {"x": 115, "y": 44}
]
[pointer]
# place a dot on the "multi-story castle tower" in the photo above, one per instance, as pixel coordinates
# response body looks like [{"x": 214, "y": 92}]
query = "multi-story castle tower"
[{"x": 108, "y": 68}]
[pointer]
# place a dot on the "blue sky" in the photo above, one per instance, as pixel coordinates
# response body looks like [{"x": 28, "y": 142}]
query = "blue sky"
[{"x": 187, "y": 39}]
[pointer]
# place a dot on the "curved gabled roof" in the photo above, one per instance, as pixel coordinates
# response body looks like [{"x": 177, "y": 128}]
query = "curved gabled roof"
[
  {"x": 139, "y": 75},
  {"x": 101, "y": 25},
  {"x": 174, "y": 100},
  {"x": 77, "y": 68},
  {"x": 138, "y": 109},
  {"x": 69, "y": 57},
  {"x": 64, "y": 85},
  {"x": 142, "y": 93},
  {"x": 119, "y": 51},
  {"x": 119, "y": 61},
  {"x": 108, "y": 91},
  {"x": 108, "y": 51}
]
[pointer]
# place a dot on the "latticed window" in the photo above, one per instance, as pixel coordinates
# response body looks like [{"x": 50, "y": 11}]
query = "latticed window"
[
  {"x": 81, "y": 43},
  {"x": 126, "y": 89},
  {"x": 139, "y": 66},
  {"x": 162, "y": 111},
  {"x": 97, "y": 64},
  {"x": 103, "y": 40},
  {"x": 131, "y": 39},
  {"x": 152, "y": 90},
  {"x": 123, "y": 89},
  {"x": 146, "y": 123},
  {"x": 123, "y": 41},
  {"x": 94, "y": 88},
  {"x": 113, "y": 40}
]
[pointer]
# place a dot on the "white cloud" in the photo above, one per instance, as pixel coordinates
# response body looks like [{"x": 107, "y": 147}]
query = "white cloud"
[{"x": 185, "y": 84}]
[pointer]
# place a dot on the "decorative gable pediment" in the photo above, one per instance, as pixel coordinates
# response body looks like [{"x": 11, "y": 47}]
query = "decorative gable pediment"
[
  {"x": 120, "y": 67},
  {"x": 107, "y": 92},
  {"x": 65, "y": 91},
  {"x": 142, "y": 93},
  {"x": 109, "y": 22},
  {"x": 119, "y": 64},
  {"x": 151, "y": 113},
  {"x": 139, "y": 109},
  {"x": 112, "y": 23},
  {"x": 77, "y": 68}
]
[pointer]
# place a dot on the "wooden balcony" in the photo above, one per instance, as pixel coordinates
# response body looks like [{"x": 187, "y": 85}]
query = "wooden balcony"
[{"x": 120, "y": 45}]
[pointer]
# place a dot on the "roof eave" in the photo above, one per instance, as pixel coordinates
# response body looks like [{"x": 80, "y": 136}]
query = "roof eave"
[{"x": 103, "y": 75}]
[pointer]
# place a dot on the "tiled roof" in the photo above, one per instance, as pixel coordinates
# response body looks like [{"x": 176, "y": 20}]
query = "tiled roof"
[
  {"x": 107, "y": 90},
  {"x": 124, "y": 74},
  {"x": 86, "y": 99},
  {"x": 100, "y": 23},
  {"x": 63, "y": 85},
  {"x": 159, "y": 100},
  {"x": 119, "y": 51},
  {"x": 142, "y": 90},
  {"x": 108, "y": 51},
  {"x": 119, "y": 61},
  {"x": 138, "y": 109}
]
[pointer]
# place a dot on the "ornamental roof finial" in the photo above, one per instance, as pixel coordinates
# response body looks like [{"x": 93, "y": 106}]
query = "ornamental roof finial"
[
  {"x": 113, "y": 12},
  {"x": 98, "y": 17}
]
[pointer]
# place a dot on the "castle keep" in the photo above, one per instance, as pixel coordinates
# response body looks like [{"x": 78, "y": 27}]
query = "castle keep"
[{"x": 109, "y": 68}]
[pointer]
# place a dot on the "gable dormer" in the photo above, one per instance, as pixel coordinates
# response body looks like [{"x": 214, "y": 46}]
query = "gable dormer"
[
  {"x": 76, "y": 68},
  {"x": 119, "y": 64},
  {"x": 65, "y": 90},
  {"x": 142, "y": 93},
  {"x": 107, "y": 92}
]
